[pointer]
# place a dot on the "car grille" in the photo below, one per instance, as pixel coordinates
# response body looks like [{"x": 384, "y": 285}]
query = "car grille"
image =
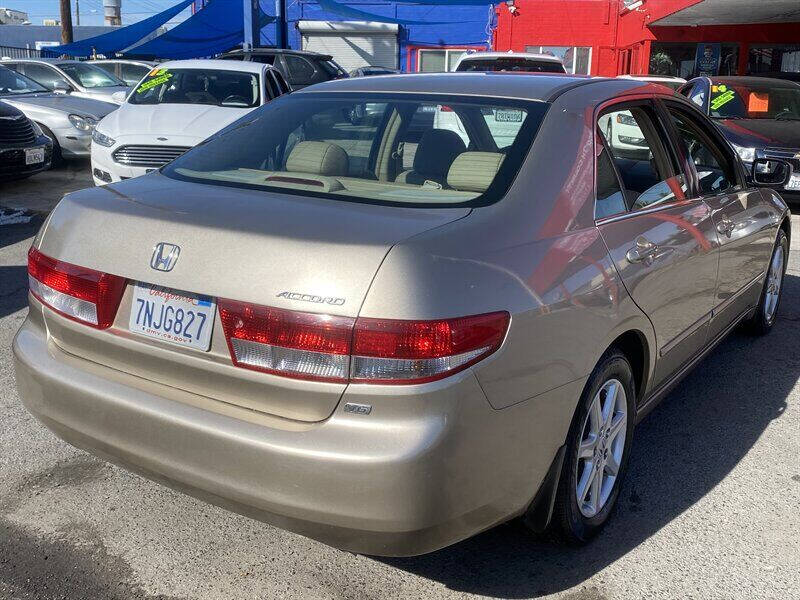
[
  {"x": 17, "y": 131},
  {"x": 147, "y": 156},
  {"x": 790, "y": 155}
]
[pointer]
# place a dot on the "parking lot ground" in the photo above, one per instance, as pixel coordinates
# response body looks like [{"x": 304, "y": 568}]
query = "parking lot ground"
[
  {"x": 709, "y": 508},
  {"x": 42, "y": 192}
]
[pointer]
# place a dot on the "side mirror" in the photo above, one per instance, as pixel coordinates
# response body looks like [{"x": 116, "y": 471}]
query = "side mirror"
[
  {"x": 62, "y": 87},
  {"x": 119, "y": 97},
  {"x": 771, "y": 172}
]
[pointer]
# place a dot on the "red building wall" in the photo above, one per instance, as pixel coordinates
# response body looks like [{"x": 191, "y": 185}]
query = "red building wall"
[{"x": 620, "y": 39}]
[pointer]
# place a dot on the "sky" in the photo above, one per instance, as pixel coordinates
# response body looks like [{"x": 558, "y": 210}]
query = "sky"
[{"x": 92, "y": 10}]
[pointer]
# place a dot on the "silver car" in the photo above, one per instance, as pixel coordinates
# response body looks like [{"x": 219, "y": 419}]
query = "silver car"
[
  {"x": 73, "y": 77},
  {"x": 129, "y": 71},
  {"x": 339, "y": 319},
  {"x": 67, "y": 120}
]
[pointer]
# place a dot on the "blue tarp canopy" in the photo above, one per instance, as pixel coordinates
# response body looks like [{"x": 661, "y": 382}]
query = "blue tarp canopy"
[
  {"x": 119, "y": 39},
  {"x": 216, "y": 28}
]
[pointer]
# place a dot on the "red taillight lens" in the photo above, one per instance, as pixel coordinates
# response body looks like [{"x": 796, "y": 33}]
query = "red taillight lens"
[
  {"x": 81, "y": 294},
  {"x": 342, "y": 349},
  {"x": 445, "y": 108},
  {"x": 295, "y": 344},
  {"x": 391, "y": 351}
]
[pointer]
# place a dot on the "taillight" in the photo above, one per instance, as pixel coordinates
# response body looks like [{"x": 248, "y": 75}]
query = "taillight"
[
  {"x": 81, "y": 294},
  {"x": 283, "y": 342},
  {"x": 342, "y": 349},
  {"x": 391, "y": 351}
]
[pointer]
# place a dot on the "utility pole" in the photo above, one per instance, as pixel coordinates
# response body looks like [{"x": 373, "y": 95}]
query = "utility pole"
[{"x": 66, "y": 22}]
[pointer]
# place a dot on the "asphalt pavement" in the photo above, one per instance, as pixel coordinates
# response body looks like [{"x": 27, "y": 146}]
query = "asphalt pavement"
[{"x": 709, "y": 508}]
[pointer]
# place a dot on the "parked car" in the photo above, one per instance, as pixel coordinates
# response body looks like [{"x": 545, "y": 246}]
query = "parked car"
[
  {"x": 128, "y": 71},
  {"x": 24, "y": 149},
  {"x": 760, "y": 117},
  {"x": 369, "y": 71},
  {"x": 67, "y": 120},
  {"x": 300, "y": 68},
  {"x": 299, "y": 329},
  {"x": 174, "y": 108},
  {"x": 667, "y": 80},
  {"x": 510, "y": 61},
  {"x": 73, "y": 77}
]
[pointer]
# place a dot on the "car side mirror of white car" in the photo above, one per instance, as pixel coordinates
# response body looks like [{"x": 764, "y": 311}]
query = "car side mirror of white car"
[
  {"x": 62, "y": 87},
  {"x": 770, "y": 172},
  {"x": 119, "y": 97}
]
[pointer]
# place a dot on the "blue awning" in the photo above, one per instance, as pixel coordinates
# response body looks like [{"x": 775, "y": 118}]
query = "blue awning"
[
  {"x": 119, "y": 39},
  {"x": 216, "y": 28}
]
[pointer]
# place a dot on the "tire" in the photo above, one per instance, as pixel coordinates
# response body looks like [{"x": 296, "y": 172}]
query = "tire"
[
  {"x": 768, "y": 304},
  {"x": 575, "y": 522}
]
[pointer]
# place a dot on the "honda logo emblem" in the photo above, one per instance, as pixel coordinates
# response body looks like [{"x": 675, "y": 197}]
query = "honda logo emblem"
[{"x": 165, "y": 256}]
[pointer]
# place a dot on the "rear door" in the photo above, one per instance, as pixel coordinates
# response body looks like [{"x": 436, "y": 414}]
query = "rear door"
[
  {"x": 662, "y": 239},
  {"x": 745, "y": 223}
]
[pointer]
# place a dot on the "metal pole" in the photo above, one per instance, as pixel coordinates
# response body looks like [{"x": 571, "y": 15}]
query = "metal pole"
[
  {"x": 252, "y": 32},
  {"x": 78, "y": 13},
  {"x": 66, "y": 22},
  {"x": 280, "y": 24}
]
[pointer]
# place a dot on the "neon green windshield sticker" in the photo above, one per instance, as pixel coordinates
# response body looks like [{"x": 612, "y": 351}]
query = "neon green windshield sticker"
[
  {"x": 157, "y": 77},
  {"x": 721, "y": 100}
]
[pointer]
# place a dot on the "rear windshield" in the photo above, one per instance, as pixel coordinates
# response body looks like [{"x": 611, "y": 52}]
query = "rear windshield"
[
  {"x": 379, "y": 148},
  {"x": 198, "y": 86},
  {"x": 511, "y": 64},
  {"x": 90, "y": 76}
]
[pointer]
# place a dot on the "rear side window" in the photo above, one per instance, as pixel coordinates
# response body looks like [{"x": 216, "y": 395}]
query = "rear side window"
[
  {"x": 610, "y": 197},
  {"x": 634, "y": 141},
  {"x": 301, "y": 72},
  {"x": 380, "y": 148}
]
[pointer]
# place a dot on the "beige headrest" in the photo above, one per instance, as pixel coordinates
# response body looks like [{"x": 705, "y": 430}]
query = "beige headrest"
[
  {"x": 318, "y": 158},
  {"x": 474, "y": 171}
]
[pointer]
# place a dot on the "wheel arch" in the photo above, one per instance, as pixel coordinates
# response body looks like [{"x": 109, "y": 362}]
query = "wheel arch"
[{"x": 634, "y": 345}]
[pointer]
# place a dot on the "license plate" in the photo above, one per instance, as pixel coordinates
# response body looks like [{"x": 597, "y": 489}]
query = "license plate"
[
  {"x": 34, "y": 156},
  {"x": 508, "y": 116},
  {"x": 172, "y": 316},
  {"x": 794, "y": 182}
]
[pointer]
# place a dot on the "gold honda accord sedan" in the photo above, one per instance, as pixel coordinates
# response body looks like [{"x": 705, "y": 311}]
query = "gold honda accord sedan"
[{"x": 388, "y": 313}]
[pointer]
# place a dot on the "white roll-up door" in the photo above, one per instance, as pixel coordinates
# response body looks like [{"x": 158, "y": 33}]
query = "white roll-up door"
[{"x": 352, "y": 44}]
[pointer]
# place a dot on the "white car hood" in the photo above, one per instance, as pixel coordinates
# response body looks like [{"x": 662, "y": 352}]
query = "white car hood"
[{"x": 175, "y": 121}]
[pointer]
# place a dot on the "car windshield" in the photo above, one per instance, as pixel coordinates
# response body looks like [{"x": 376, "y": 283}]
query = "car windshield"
[
  {"x": 232, "y": 89},
  {"x": 333, "y": 69},
  {"x": 380, "y": 148},
  {"x": 89, "y": 76},
  {"x": 510, "y": 64},
  {"x": 13, "y": 83},
  {"x": 754, "y": 101}
]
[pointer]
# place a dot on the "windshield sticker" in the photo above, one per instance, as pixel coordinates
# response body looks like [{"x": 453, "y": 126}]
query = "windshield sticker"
[
  {"x": 157, "y": 77},
  {"x": 758, "y": 102},
  {"x": 721, "y": 95}
]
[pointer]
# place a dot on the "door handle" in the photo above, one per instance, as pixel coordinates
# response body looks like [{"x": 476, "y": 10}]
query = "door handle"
[
  {"x": 643, "y": 251},
  {"x": 726, "y": 227}
]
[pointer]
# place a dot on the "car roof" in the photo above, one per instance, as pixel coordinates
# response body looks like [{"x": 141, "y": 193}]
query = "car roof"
[
  {"x": 216, "y": 64},
  {"x": 652, "y": 77},
  {"x": 306, "y": 53},
  {"x": 40, "y": 60},
  {"x": 128, "y": 61},
  {"x": 519, "y": 85},
  {"x": 524, "y": 55}
]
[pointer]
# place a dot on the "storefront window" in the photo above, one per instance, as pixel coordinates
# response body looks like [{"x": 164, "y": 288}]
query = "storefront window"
[
  {"x": 680, "y": 60},
  {"x": 576, "y": 59},
  {"x": 774, "y": 58},
  {"x": 437, "y": 61}
]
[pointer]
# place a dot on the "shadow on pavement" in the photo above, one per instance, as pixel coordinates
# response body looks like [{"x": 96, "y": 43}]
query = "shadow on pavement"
[
  {"x": 13, "y": 289},
  {"x": 681, "y": 451}
]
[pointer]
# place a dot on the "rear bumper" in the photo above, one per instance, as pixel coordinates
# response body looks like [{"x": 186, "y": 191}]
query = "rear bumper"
[{"x": 381, "y": 484}]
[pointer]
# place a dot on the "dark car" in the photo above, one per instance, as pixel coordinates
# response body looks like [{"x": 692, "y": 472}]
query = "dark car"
[
  {"x": 760, "y": 117},
  {"x": 300, "y": 68},
  {"x": 24, "y": 149}
]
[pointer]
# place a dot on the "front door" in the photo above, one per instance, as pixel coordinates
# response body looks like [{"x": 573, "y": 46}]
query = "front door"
[
  {"x": 745, "y": 226},
  {"x": 664, "y": 242}
]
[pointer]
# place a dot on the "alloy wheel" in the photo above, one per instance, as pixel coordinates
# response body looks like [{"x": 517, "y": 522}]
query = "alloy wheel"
[{"x": 774, "y": 281}]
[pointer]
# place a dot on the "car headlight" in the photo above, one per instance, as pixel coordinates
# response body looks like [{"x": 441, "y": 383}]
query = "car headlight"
[
  {"x": 624, "y": 119},
  {"x": 102, "y": 139},
  {"x": 36, "y": 129},
  {"x": 83, "y": 123},
  {"x": 747, "y": 155}
]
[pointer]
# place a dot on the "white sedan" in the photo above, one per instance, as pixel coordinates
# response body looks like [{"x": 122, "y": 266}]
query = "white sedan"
[{"x": 177, "y": 105}]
